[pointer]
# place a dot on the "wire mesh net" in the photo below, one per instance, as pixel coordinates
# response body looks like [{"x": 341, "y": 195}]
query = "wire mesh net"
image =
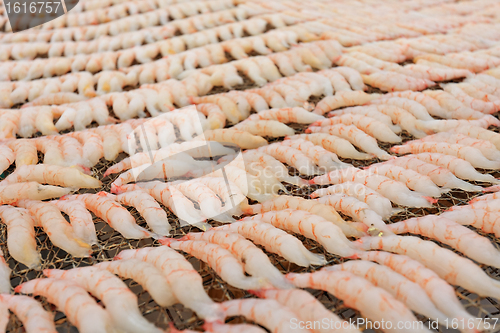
[{"x": 111, "y": 243}]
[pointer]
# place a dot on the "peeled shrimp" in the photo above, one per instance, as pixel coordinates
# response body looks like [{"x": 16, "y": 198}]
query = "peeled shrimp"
[
  {"x": 119, "y": 300},
  {"x": 453, "y": 268},
  {"x": 334, "y": 144},
  {"x": 395, "y": 191},
  {"x": 113, "y": 214},
  {"x": 230, "y": 195},
  {"x": 52, "y": 175},
  {"x": 454, "y": 107},
  {"x": 369, "y": 125},
  {"x": 30, "y": 312},
  {"x": 455, "y": 235},
  {"x": 342, "y": 99},
  {"x": 307, "y": 307},
  {"x": 463, "y": 94},
  {"x": 485, "y": 147},
  {"x": 325, "y": 159},
  {"x": 242, "y": 139},
  {"x": 270, "y": 128},
  {"x": 7, "y": 157},
  {"x": 292, "y": 157},
  {"x": 416, "y": 109},
  {"x": 401, "y": 288},
  {"x": 478, "y": 217},
  {"x": 368, "y": 111},
  {"x": 255, "y": 262},
  {"x": 267, "y": 313},
  {"x": 477, "y": 133},
  {"x": 57, "y": 228},
  {"x": 171, "y": 198},
  {"x": 145, "y": 274},
  {"x": 448, "y": 124},
  {"x": 354, "y": 135},
  {"x": 441, "y": 293},
  {"x": 186, "y": 283},
  {"x": 378, "y": 203},
  {"x": 56, "y": 99},
  {"x": 440, "y": 176},
  {"x": 20, "y": 235},
  {"x": 76, "y": 303},
  {"x": 470, "y": 154},
  {"x": 352, "y": 76},
  {"x": 309, "y": 225},
  {"x": 287, "y": 115},
  {"x": 412, "y": 179},
  {"x": 25, "y": 150},
  {"x": 358, "y": 210},
  {"x": 391, "y": 81},
  {"x": 146, "y": 205},
  {"x": 433, "y": 106},
  {"x": 374, "y": 303},
  {"x": 80, "y": 219},
  {"x": 276, "y": 241},
  {"x": 30, "y": 190}
]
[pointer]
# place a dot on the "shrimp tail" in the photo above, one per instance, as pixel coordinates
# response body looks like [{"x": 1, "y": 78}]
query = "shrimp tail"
[
  {"x": 354, "y": 256},
  {"x": 258, "y": 293},
  {"x": 251, "y": 209},
  {"x": 491, "y": 189},
  {"x": 166, "y": 241},
  {"x": 431, "y": 200}
]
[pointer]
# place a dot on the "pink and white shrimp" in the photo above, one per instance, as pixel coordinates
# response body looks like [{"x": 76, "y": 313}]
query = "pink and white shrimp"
[
  {"x": 52, "y": 175},
  {"x": 25, "y": 151},
  {"x": 273, "y": 98},
  {"x": 342, "y": 99},
  {"x": 270, "y": 128},
  {"x": 368, "y": 111},
  {"x": 412, "y": 179},
  {"x": 416, "y": 109},
  {"x": 480, "y": 218},
  {"x": 485, "y": 147},
  {"x": 55, "y": 99},
  {"x": 145, "y": 274},
  {"x": 355, "y": 136},
  {"x": 352, "y": 76},
  {"x": 312, "y": 206},
  {"x": 112, "y": 213},
  {"x": 463, "y": 95},
  {"x": 440, "y": 176},
  {"x": 433, "y": 106},
  {"x": 292, "y": 157},
  {"x": 306, "y": 306},
  {"x": 395, "y": 191},
  {"x": 439, "y": 291},
  {"x": 231, "y": 196},
  {"x": 334, "y": 144},
  {"x": 358, "y": 210},
  {"x": 477, "y": 133},
  {"x": 30, "y": 312},
  {"x": 325, "y": 159},
  {"x": 369, "y": 125},
  {"x": 309, "y": 225},
  {"x": 215, "y": 117},
  {"x": 267, "y": 313},
  {"x": 455, "y": 269},
  {"x": 60, "y": 232},
  {"x": 337, "y": 80},
  {"x": 469, "y": 154},
  {"x": 171, "y": 198},
  {"x": 275, "y": 240},
  {"x": 357, "y": 293},
  {"x": 31, "y": 190},
  {"x": 287, "y": 115},
  {"x": 185, "y": 282},
  {"x": 255, "y": 262},
  {"x": 455, "y": 108},
  {"x": 73, "y": 301},
  {"x": 378, "y": 203},
  {"x": 242, "y": 139},
  {"x": 7, "y": 157},
  {"x": 80, "y": 219},
  {"x": 391, "y": 81},
  {"x": 21, "y": 240},
  {"x": 92, "y": 148},
  {"x": 119, "y": 300},
  {"x": 448, "y": 124},
  {"x": 223, "y": 262},
  {"x": 453, "y": 234},
  {"x": 146, "y": 205},
  {"x": 401, "y": 288}
]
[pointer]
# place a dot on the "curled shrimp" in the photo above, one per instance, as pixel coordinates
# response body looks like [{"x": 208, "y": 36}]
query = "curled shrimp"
[
  {"x": 31, "y": 313},
  {"x": 292, "y": 157},
  {"x": 80, "y": 219}
]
